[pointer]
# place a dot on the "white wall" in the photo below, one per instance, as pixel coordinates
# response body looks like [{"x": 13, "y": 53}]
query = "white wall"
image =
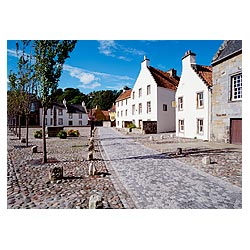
[
  {"x": 123, "y": 105},
  {"x": 189, "y": 85},
  {"x": 75, "y": 118},
  {"x": 165, "y": 119}
]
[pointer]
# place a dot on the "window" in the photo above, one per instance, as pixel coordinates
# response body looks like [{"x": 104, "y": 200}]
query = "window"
[
  {"x": 200, "y": 127},
  {"x": 133, "y": 109},
  {"x": 80, "y": 116},
  {"x": 121, "y": 113},
  {"x": 148, "y": 90},
  {"x": 236, "y": 82},
  {"x": 60, "y": 121},
  {"x": 140, "y": 108},
  {"x": 140, "y": 92},
  {"x": 70, "y": 115},
  {"x": 122, "y": 103},
  {"x": 181, "y": 126},
  {"x": 126, "y": 112},
  {"x": 117, "y": 113},
  {"x": 180, "y": 103},
  {"x": 80, "y": 122},
  {"x": 117, "y": 104},
  {"x": 32, "y": 107},
  {"x": 51, "y": 121},
  {"x": 200, "y": 100},
  {"x": 60, "y": 112},
  {"x": 165, "y": 107},
  {"x": 148, "y": 107},
  {"x": 133, "y": 95},
  {"x": 117, "y": 123},
  {"x": 126, "y": 101},
  {"x": 70, "y": 123}
]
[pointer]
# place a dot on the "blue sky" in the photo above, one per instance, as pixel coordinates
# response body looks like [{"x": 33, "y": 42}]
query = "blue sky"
[{"x": 113, "y": 64}]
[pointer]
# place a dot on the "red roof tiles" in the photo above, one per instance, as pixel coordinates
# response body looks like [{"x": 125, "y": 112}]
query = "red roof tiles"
[
  {"x": 164, "y": 79},
  {"x": 205, "y": 73},
  {"x": 124, "y": 95}
]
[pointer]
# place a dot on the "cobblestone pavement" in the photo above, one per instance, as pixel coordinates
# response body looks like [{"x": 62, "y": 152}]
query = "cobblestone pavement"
[
  {"x": 226, "y": 159},
  {"x": 27, "y": 178},
  {"x": 155, "y": 180}
]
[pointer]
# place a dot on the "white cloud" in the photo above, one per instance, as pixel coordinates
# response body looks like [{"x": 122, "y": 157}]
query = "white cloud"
[
  {"x": 114, "y": 49},
  {"x": 107, "y": 47},
  {"x": 93, "y": 79}
]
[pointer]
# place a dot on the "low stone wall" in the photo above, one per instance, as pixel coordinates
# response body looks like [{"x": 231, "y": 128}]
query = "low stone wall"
[{"x": 150, "y": 127}]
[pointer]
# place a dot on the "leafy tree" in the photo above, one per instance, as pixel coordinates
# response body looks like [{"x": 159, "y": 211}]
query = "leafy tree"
[
  {"x": 26, "y": 82},
  {"x": 50, "y": 56}
]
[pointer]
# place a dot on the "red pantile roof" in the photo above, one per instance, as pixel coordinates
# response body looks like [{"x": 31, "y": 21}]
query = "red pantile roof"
[
  {"x": 205, "y": 73},
  {"x": 124, "y": 95},
  {"x": 164, "y": 79}
]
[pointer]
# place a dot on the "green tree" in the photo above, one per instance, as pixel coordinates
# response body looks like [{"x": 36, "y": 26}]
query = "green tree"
[{"x": 50, "y": 55}]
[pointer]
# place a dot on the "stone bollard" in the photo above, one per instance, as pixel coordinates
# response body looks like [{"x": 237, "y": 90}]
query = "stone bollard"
[
  {"x": 23, "y": 140},
  {"x": 162, "y": 137},
  {"x": 178, "y": 151},
  {"x": 90, "y": 156},
  {"x": 56, "y": 174},
  {"x": 95, "y": 201},
  {"x": 151, "y": 138},
  {"x": 92, "y": 169},
  {"x": 206, "y": 160},
  {"x": 34, "y": 149},
  {"x": 91, "y": 147}
]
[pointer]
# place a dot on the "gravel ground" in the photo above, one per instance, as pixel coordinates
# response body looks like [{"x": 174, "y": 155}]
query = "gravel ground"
[
  {"x": 28, "y": 183},
  {"x": 226, "y": 159}
]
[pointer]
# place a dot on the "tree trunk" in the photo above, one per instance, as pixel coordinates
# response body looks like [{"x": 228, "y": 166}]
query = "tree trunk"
[
  {"x": 45, "y": 160},
  {"x": 27, "y": 130},
  {"x": 16, "y": 125},
  {"x": 19, "y": 127}
]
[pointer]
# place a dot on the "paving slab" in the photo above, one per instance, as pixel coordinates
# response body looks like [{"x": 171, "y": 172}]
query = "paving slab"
[{"x": 153, "y": 180}]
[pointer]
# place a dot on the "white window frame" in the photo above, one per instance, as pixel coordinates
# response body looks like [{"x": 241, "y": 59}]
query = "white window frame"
[
  {"x": 236, "y": 87},
  {"x": 80, "y": 122},
  {"x": 60, "y": 121},
  {"x": 148, "y": 89},
  {"x": 165, "y": 107},
  {"x": 70, "y": 116},
  {"x": 181, "y": 127},
  {"x": 200, "y": 126},
  {"x": 60, "y": 111},
  {"x": 140, "y": 92},
  {"x": 133, "y": 109},
  {"x": 148, "y": 107},
  {"x": 200, "y": 99},
  {"x": 180, "y": 103},
  {"x": 140, "y": 108}
]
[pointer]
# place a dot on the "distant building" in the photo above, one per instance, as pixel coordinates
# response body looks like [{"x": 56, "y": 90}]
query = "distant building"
[
  {"x": 150, "y": 104},
  {"x": 64, "y": 114},
  {"x": 98, "y": 115},
  {"x": 227, "y": 93},
  {"x": 193, "y": 99},
  {"x": 112, "y": 113}
]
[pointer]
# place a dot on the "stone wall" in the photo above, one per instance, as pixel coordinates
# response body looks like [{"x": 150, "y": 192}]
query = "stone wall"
[{"x": 223, "y": 108}]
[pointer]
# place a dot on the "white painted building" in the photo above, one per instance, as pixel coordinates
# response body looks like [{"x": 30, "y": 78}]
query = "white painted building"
[
  {"x": 151, "y": 99},
  {"x": 193, "y": 99},
  {"x": 65, "y": 115}
]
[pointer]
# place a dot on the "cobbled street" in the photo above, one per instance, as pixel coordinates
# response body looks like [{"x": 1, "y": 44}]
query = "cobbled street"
[
  {"x": 154, "y": 180},
  {"x": 130, "y": 175}
]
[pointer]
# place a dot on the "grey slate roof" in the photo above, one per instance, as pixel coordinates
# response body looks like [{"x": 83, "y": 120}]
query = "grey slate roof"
[
  {"x": 71, "y": 108},
  {"x": 226, "y": 50}
]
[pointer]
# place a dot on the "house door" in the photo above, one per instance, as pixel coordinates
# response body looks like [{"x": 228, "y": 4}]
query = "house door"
[{"x": 236, "y": 131}]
